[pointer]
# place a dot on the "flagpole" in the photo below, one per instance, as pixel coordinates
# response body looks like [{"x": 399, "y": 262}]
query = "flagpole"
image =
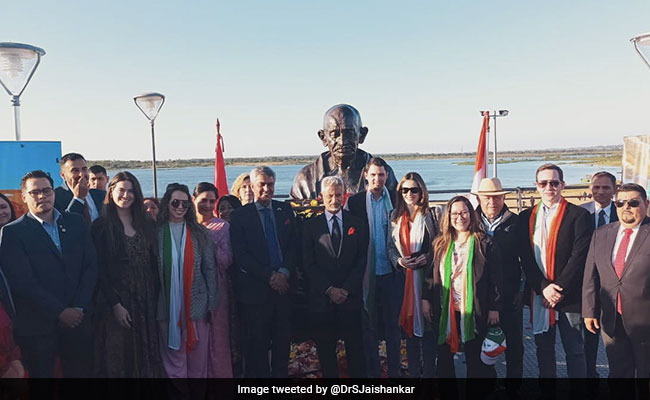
[{"x": 494, "y": 159}]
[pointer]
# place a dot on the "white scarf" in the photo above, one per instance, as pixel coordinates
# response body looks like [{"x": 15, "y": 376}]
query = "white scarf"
[
  {"x": 541, "y": 316},
  {"x": 176, "y": 293}
]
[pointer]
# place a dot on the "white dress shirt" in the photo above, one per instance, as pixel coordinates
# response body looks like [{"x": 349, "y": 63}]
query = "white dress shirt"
[{"x": 330, "y": 221}]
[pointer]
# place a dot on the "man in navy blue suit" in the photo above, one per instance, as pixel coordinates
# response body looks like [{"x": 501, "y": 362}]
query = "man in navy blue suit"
[
  {"x": 75, "y": 195},
  {"x": 49, "y": 260},
  {"x": 264, "y": 243}
]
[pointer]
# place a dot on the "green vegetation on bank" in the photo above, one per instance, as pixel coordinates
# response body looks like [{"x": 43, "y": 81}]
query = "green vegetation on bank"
[{"x": 602, "y": 155}]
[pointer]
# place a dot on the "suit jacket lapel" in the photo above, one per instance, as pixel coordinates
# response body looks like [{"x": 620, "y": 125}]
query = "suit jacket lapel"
[
  {"x": 608, "y": 248},
  {"x": 613, "y": 217},
  {"x": 40, "y": 231},
  {"x": 641, "y": 236}
]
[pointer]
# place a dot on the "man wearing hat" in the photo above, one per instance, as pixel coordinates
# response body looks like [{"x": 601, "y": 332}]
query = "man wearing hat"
[{"x": 501, "y": 224}]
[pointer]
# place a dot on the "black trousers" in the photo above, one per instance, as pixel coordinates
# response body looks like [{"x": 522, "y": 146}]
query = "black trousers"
[
  {"x": 74, "y": 347},
  {"x": 267, "y": 325},
  {"x": 511, "y": 321},
  {"x": 328, "y": 327},
  {"x": 591, "y": 353},
  {"x": 476, "y": 388}
]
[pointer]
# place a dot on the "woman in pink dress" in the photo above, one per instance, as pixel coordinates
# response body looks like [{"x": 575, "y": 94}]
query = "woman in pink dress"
[{"x": 219, "y": 359}]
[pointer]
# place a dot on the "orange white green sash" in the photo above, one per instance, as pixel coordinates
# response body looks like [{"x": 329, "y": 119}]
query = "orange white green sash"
[
  {"x": 550, "y": 249},
  {"x": 448, "y": 330}
]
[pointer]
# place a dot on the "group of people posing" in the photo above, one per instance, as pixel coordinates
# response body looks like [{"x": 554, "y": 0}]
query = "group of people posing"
[{"x": 110, "y": 284}]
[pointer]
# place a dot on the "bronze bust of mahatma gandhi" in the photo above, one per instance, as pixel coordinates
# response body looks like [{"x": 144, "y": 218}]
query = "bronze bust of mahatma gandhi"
[{"x": 342, "y": 133}]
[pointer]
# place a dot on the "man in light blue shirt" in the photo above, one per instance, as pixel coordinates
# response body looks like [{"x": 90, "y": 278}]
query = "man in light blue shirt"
[{"x": 383, "y": 285}]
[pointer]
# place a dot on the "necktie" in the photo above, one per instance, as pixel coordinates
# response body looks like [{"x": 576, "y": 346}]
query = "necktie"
[
  {"x": 601, "y": 219},
  {"x": 271, "y": 240},
  {"x": 619, "y": 262},
  {"x": 86, "y": 213},
  {"x": 336, "y": 234}
]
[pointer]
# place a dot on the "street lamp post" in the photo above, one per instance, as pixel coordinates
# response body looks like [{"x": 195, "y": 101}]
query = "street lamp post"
[
  {"x": 150, "y": 104},
  {"x": 494, "y": 115},
  {"x": 642, "y": 46},
  {"x": 18, "y": 63}
]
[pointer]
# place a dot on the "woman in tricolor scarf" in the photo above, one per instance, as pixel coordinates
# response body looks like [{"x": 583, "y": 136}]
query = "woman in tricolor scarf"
[
  {"x": 466, "y": 273},
  {"x": 126, "y": 332},
  {"x": 413, "y": 228},
  {"x": 189, "y": 287}
]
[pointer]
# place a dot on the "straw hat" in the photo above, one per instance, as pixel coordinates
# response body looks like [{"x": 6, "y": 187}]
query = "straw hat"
[{"x": 490, "y": 187}]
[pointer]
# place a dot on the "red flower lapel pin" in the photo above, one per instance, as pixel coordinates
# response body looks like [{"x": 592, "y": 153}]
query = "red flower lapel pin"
[{"x": 351, "y": 231}]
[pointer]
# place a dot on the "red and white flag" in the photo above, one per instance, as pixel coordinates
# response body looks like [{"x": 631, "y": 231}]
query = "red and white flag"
[
  {"x": 480, "y": 166},
  {"x": 220, "y": 180}
]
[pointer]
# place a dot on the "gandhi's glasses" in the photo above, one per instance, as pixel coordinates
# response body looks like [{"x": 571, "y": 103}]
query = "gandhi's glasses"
[{"x": 634, "y": 203}]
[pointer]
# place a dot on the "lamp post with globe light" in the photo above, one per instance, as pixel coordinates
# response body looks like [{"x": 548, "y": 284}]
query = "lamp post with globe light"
[
  {"x": 642, "y": 46},
  {"x": 18, "y": 63},
  {"x": 150, "y": 104}
]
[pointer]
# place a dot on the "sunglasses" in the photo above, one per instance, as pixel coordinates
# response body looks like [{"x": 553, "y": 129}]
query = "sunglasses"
[
  {"x": 542, "y": 184},
  {"x": 180, "y": 203},
  {"x": 634, "y": 203},
  {"x": 414, "y": 190}
]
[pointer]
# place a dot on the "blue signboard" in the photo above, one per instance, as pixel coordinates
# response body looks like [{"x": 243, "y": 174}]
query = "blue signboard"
[{"x": 18, "y": 158}]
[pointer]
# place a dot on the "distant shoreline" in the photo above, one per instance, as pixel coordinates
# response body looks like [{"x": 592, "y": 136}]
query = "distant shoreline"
[{"x": 602, "y": 155}]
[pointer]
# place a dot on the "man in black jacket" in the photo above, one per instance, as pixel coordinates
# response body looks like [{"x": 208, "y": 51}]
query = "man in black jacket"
[
  {"x": 335, "y": 260},
  {"x": 555, "y": 238},
  {"x": 501, "y": 224},
  {"x": 49, "y": 260},
  {"x": 75, "y": 194},
  {"x": 263, "y": 237},
  {"x": 383, "y": 285}
]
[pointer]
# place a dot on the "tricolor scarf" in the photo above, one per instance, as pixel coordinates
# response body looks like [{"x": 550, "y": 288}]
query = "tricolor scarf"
[
  {"x": 448, "y": 331},
  {"x": 410, "y": 241},
  {"x": 178, "y": 285},
  {"x": 370, "y": 275},
  {"x": 548, "y": 267}
]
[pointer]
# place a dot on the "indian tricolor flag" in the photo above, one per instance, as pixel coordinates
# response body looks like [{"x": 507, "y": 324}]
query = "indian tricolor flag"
[{"x": 480, "y": 166}]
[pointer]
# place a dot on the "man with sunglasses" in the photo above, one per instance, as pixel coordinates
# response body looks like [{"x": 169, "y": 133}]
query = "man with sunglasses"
[
  {"x": 555, "y": 237},
  {"x": 616, "y": 285},
  {"x": 602, "y": 210},
  {"x": 49, "y": 260}
]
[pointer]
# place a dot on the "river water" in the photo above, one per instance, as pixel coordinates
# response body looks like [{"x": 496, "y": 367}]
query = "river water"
[{"x": 440, "y": 174}]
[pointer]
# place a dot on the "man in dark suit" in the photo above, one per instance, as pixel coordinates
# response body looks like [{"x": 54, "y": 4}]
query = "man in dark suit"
[
  {"x": 616, "y": 285},
  {"x": 264, "y": 240},
  {"x": 49, "y": 260},
  {"x": 383, "y": 285},
  {"x": 75, "y": 195},
  {"x": 335, "y": 260},
  {"x": 602, "y": 210},
  {"x": 555, "y": 238}
]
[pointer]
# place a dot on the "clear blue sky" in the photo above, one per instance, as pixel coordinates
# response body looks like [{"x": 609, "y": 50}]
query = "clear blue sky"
[{"x": 418, "y": 71}]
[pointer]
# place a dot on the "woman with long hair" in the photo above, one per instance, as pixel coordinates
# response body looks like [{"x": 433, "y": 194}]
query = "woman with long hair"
[
  {"x": 242, "y": 188},
  {"x": 126, "y": 336},
  {"x": 413, "y": 228},
  {"x": 219, "y": 358},
  {"x": 466, "y": 272},
  {"x": 7, "y": 211},
  {"x": 189, "y": 285}
]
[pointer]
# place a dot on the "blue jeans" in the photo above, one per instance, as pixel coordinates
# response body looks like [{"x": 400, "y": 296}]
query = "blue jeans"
[
  {"x": 571, "y": 332},
  {"x": 389, "y": 292}
]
